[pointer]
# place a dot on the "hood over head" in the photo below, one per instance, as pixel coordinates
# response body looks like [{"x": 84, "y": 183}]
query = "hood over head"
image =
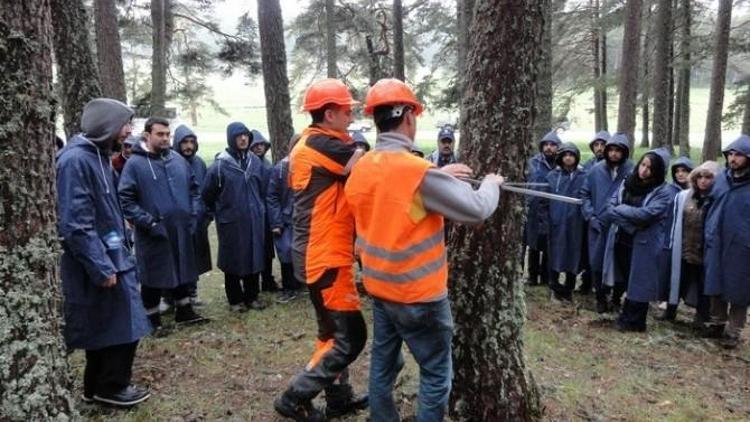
[
  {"x": 257, "y": 138},
  {"x": 568, "y": 147},
  {"x": 551, "y": 136},
  {"x": 103, "y": 119},
  {"x": 741, "y": 145},
  {"x": 681, "y": 162},
  {"x": 600, "y": 136},
  {"x": 619, "y": 140},
  {"x": 658, "y": 168},
  {"x": 707, "y": 167},
  {"x": 235, "y": 129},
  {"x": 180, "y": 134}
]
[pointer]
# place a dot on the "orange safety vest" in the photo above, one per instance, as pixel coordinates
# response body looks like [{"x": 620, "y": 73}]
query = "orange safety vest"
[{"x": 401, "y": 245}]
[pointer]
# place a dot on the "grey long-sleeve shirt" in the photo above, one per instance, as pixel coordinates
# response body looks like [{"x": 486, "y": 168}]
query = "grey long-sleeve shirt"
[{"x": 444, "y": 194}]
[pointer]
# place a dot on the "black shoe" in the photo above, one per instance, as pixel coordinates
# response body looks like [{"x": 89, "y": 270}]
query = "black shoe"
[
  {"x": 299, "y": 410},
  {"x": 712, "y": 331},
  {"x": 729, "y": 342},
  {"x": 186, "y": 315},
  {"x": 128, "y": 396},
  {"x": 256, "y": 305},
  {"x": 670, "y": 314},
  {"x": 340, "y": 400},
  {"x": 629, "y": 328},
  {"x": 286, "y": 296},
  {"x": 601, "y": 307}
]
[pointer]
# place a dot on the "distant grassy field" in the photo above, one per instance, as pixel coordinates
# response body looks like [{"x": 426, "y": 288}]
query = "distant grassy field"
[{"x": 246, "y": 103}]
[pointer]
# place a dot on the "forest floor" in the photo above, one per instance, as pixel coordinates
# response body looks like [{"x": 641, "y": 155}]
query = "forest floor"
[{"x": 233, "y": 367}]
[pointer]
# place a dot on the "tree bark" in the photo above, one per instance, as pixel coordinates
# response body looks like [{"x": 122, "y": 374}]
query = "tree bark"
[
  {"x": 162, "y": 24},
  {"x": 712, "y": 139},
  {"x": 35, "y": 375},
  {"x": 681, "y": 130},
  {"x": 491, "y": 382},
  {"x": 79, "y": 81},
  {"x": 629, "y": 71},
  {"x": 646, "y": 56},
  {"x": 109, "y": 50},
  {"x": 275, "y": 80},
  {"x": 746, "y": 115},
  {"x": 398, "y": 41},
  {"x": 331, "y": 38},
  {"x": 603, "y": 92},
  {"x": 596, "y": 32},
  {"x": 662, "y": 69},
  {"x": 543, "y": 117},
  {"x": 465, "y": 17}
]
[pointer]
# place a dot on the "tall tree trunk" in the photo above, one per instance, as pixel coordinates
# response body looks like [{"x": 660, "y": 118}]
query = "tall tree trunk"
[
  {"x": 603, "y": 92},
  {"x": 543, "y": 117},
  {"x": 746, "y": 116},
  {"x": 35, "y": 374},
  {"x": 331, "y": 38},
  {"x": 109, "y": 50},
  {"x": 681, "y": 132},
  {"x": 712, "y": 139},
  {"x": 662, "y": 69},
  {"x": 596, "y": 63},
  {"x": 398, "y": 41},
  {"x": 670, "y": 98},
  {"x": 491, "y": 382},
  {"x": 465, "y": 17},
  {"x": 79, "y": 80},
  {"x": 646, "y": 61},
  {"x": 275, "y": 80},
  {"x": 162, "y": 25},
  {"x": 629, "y": 71}
]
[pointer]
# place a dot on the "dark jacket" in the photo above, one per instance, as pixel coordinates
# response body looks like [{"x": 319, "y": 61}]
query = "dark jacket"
[
  {"x": 200, "y": 238},
  {"x": 160, "y": 197},
  {"x": 596, "y": 192},
  {"x": 537, "y": 214},
  {"x": 280, "y": 204},
  {"x": 95, "y": 246},
  {"x": 727, "y": 234},
  {"x": 566, "y": 224},
  {"x": 647, "y": 225},
  {"x": 233, "y": 191}
]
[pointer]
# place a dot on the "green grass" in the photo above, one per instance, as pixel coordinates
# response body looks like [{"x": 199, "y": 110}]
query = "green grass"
[{"x": 233, "y": 367}]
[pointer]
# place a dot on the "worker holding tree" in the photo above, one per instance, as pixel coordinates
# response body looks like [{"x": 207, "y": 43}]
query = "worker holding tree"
[{"x": 399, "y": 202}]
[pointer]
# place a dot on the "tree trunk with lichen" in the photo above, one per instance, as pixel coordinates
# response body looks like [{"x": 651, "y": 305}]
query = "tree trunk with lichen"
[
  {"x": 331, "y": 39},
  {"x": 712, "y": 139},
  {"x": 491, "y": 382},
  {"x": 34, "y": 373},
  {"x": 661, "y": 84},
  {"x": 399, "y": 71},
  {"x": 77, "y": 71},
  {"x": 543, "y": 117},
  {"x": 275, "y": 80},
  {"x": 162, "y": 23},
  {"x": 631, "y": 45}
]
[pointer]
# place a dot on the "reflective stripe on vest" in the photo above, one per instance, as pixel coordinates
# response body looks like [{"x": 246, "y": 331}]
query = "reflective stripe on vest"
[{"x": 401, "y": 245}]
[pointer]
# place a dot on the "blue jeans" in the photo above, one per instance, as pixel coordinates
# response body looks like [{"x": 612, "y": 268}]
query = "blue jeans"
[{"x": 427, "y": 329}]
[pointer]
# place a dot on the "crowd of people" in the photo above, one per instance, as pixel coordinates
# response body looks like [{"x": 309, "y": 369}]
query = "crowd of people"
[
  {"x": 134, "y": 228},
  {"x": 637, "y": 238}
]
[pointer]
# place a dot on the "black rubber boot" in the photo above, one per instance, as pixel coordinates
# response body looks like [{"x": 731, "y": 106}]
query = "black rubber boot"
[
  {"x": 186, "y": 315},
  {"x": 670, "y": 314},
  {"x": 340, "y": 400},
  {"x": 291, "y": 406}
]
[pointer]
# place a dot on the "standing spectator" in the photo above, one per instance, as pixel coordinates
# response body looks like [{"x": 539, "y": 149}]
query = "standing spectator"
[
  {"x": 537, "y": 224},
  {"x": 601, "y": 182},
  {"x": 103, "y": 312},
  {"x": 446, "y": 153},
  {"x": 638, "y": 213},
  {"x": 161, "y": 199},
  {"x": 185, "y": 142},
  {"x": 233, "y": 192},
  {"x": 727, "y": 237},
  {"x": 565, "y": 222},
  {"x": 259, "y": 145}
]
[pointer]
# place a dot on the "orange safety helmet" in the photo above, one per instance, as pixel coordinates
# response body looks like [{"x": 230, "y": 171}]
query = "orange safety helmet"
[
  {"x": 327, "y": 91},
  {"x": 391, "y": 91}
]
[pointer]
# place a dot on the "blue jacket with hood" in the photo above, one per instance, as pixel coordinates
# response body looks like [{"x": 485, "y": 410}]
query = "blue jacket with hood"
[
  {"x": 566, "y": 224},
  {"x": 537, "y": 214},
  {"x": 600, "y": 184},
  {"x": 200, "y": 239},
  {"x": 233, "y": 191},
  {"x": 600, "y": 136},
  {"x": 160, "y": 197},
  {"x": 648, "y": 226},
  {"x": 280, "y": 204},
  {"x": 95, "y": 246},
  {"x": 727, "y": 233}
]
